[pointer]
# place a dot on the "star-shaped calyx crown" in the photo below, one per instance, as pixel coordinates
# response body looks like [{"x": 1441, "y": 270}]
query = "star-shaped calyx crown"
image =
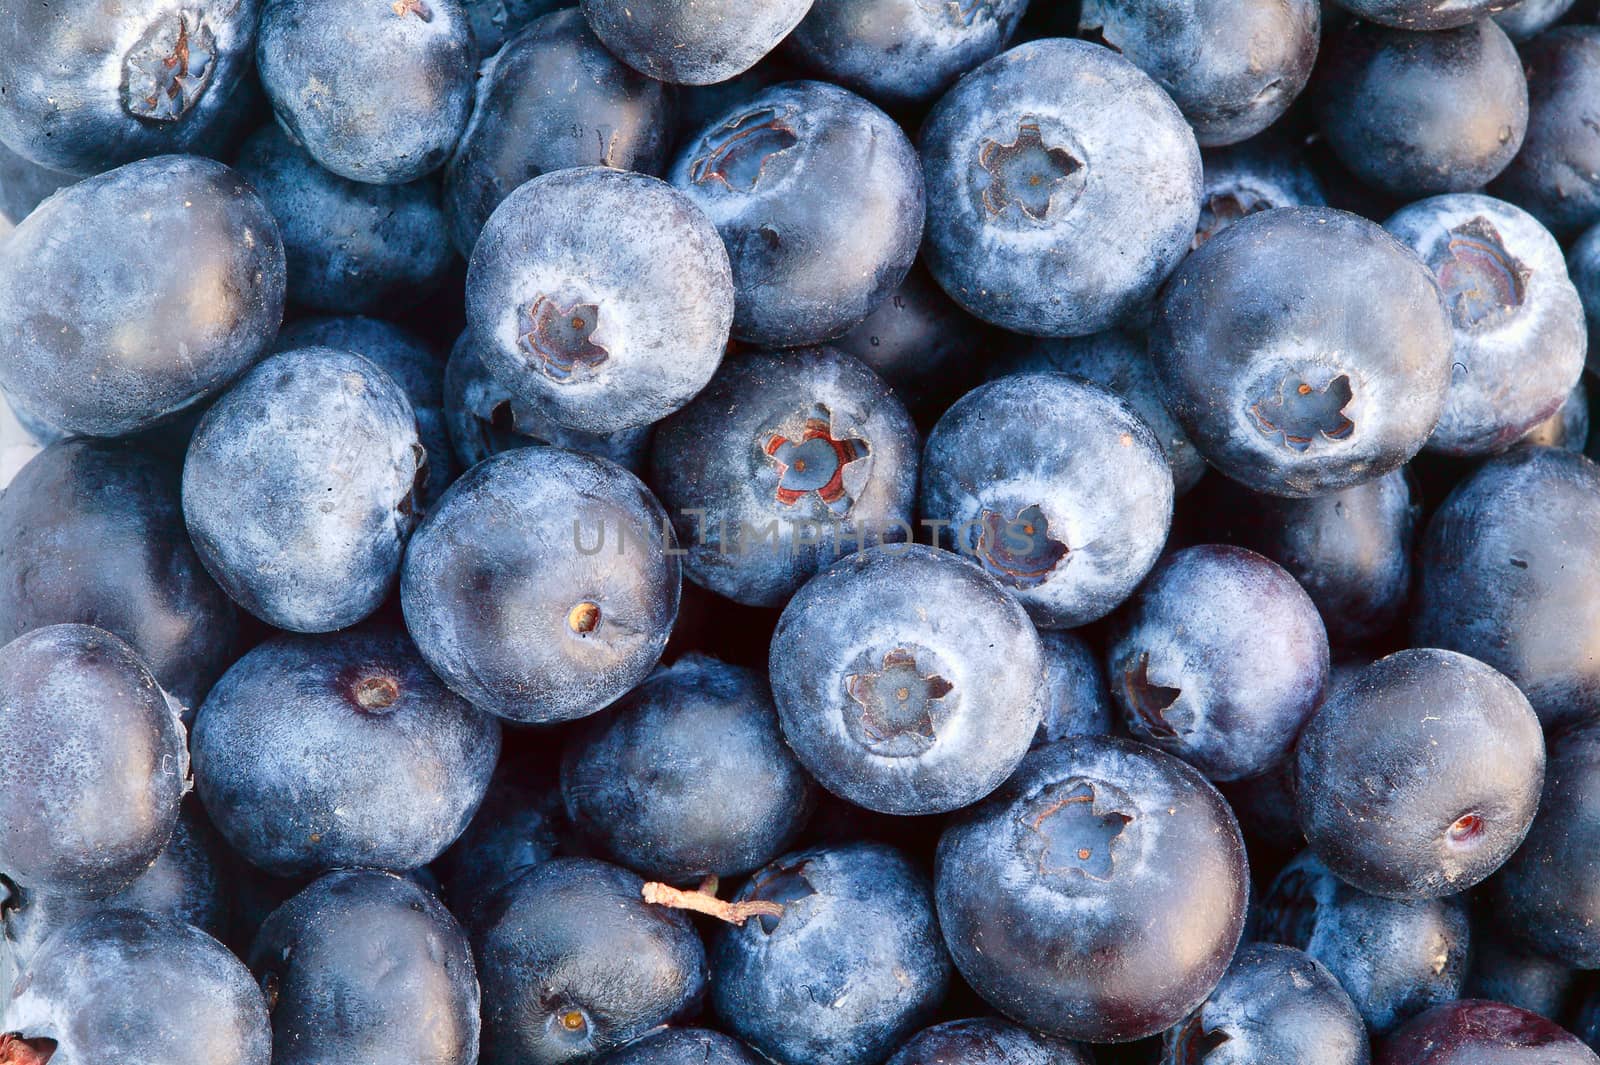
[
  {"x": 1301, "y": 415},
  {"x": 1019, "y": 551},
  {"x": 736, "y": 153},
  {"x": 1074, "y": 828},
  {"x": 1483, "y": 282},
  {"x": 898, "y": 706},
  {"x": 1028, "y": 172},
  {"x": 810, "y": 458},
  {"x": 168, "y": 69},
  {"x": 559, "y": 339}
]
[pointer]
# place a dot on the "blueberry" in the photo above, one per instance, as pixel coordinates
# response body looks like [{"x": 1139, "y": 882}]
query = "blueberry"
[
  {"x": 365, "y": 968},
  {"x": 170, "y": 273},
  {"x": 891, "y": 705},
  {"x": 1304, "y": 350},
  {"x": 603, "y": 299},
  {"x": 544, "y": 585},
  {"x": 985, "y": 1041},
  {"x": 1056, "y": 487},
  {"x": 494, "y": 22},
  {"x": 138, "y": 989},
  {"x": 1264, "y": 805},
  {"x": 1549, "y": 178},
  {"x": 574, "y": 963},
  {"x": 1529, "y": 18},
  {"x": 849, "y": 965},
  {"x": 1219, "y": 659},
  {"x": 517, "y": 827},
  {"x": 1061, "y": 886},
  {"x": 1503, "y": 567},
  {"x": 1422, "y": 14},
  {"x": 692, "y": 42},
  {"x": 552, "y": 99},
  {"x": 1504, "y": 970},
  {"x": 1395, "y": 958},
  {"x": 24, "y": 185},
  {"x": 685, "y": 1046},
  {"x": 901, "y": 52},
  {"x": 1568, "y": 427},
  {"x": 1468, "y": 1032},
  {"x": 818, "y": 196},
  {"x": 1245, "y": 179},
  {"x": 1583, "y": 266},
  {"x": 300, "y": 488},
  {"x": 787, "y": 461},
  {"x": 1077, "y": 702},
  {"x": 1063, "y": 187}
]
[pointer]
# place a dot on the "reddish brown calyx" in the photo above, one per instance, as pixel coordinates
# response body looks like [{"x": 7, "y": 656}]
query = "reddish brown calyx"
[
  {"x": 704, "y": 900},
  {"x": 15, "y": 1050}
]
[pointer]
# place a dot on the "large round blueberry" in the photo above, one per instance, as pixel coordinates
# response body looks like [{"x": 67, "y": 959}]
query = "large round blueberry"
[
  {"x": 685, "y": 1046},
  {"x": 907, "y": 680},
  {"x": 365, "y": 967},
  {"x": 1304, "y": 350},
  {"x": 376, "y": 92},
  {"x": 544, "y": 585},
  {"x": 517, "y": 827},
  {"x": 1505, "y": 570},
  {"x": 850, "y": 965},
  {"x": 1077, "y": 702},
  {"x": 986, "y": 1041},
  {"x": 1220, "y": 659},
  {"x": 1245, "y": 179},
  {"x": 1477, "y": 1032},
  {"x": 133, "y": 295},
  {"x": 1550, "y": 177},
  {"x": 1063, "y": 187},
  {"x": 787, "y": 461},
  {"x": 1101, "y": 862},
  {"x": 300, "y": 488},
  {"x": 574, "y": 963},
  {"x": 602, "y": 298},
  {"x": 1422, "y": 14},
  {"x": 819, "y": 198},
  {"x": 693, "y": 42},
  {"x": 552, "y": 99},
  {"x": 92, "y": 762}
]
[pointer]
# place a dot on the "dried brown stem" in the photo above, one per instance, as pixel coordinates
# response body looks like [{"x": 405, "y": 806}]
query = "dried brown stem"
[{"x": 735, "y": 913}]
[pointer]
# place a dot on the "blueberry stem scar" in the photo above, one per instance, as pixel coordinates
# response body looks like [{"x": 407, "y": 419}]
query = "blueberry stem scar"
[{"x": 706, "y": 902}]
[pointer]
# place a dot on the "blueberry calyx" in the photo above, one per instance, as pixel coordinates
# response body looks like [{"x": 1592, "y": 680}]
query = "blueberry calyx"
[
  {"x": 1148, "y": 700},
  {"x": 1483, "y": 282},
  {"x": 737, "y": 153},
  {"x": 1019, "y": 551},
  {"x": 167, "y": 70},
  {"x": 812, "y": 458},
  {"x": 1029, "y": 173},
  {"x": 1225, "y": 208},
  {"x": 560, "y": 338},
  {"x": 1301, "y": 414},
  {"x": 15, "y": 1050},
  {"x": 1195, "y": 1043},
  {"x": 419, "y": 8},
  {"x": 1075, "y": 828},
  {"x": 898, "y": 703}
]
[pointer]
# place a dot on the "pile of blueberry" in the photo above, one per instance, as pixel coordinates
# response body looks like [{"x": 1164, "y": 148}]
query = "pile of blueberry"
[{"x": 799, "y": 532}]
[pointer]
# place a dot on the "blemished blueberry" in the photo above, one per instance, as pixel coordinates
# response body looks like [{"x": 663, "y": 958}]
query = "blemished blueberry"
[
  {"x": 1220, "y": 658},
  {"x": 888, "y": 704},
  {"x": 352, "y": 248},
  {"x": 1461, "y": 759},
  {"x": 1077, "y": 702},
  {"x": 84, "y": 88},
  {"x": 1550, "y": 177},
  {"x": 819, "y": 198},
  {"x": 1059, "y": 886},
  {"x": 687, "y": 776},
  {"x": 1245, "y": 179},
  {"x": 1568, "y": 427},
  {"x": 901, "y": 53},
  {"x": 850, "y": 966},
  {"x": 140, "y": 989},
  {"x": 24, "y": 185},
  {"x": 367, "y": 968},
  {"x": 300, "y": 488},
  {"x": 517, "y": 827},
  {"x": 374, "y": 92},
  {"x": 1232, "y": 68},
  {"x": 1304, "y": 350},
  {"x": 544, "y": 584},
  {"x": 1275, "y": 1006},
  {"x": 140, "y": 343},
  {"x": 93, "y": 762},
  {"x": 1063, "y": 187},
  {"x": 1504, "y": 970},
  {"x": 685, "y": 1046},
  {"x": 786, "y": 462},
  {"x": 552, "y": 99},
  {"x": 321, "y": 752},
  {"x": 1583, "y": 268},
  {"x": 1502, "y": 572},
  {"x": 692, "y": 42},
  {"x": 494, "y": 22},
  {"x": 1474, "y": 1031},
  {"x": 1421, "y": 14},
  {"x": 1395, "y": 958},
  {"x": 574, "y": 963},
  {"x": 986, "y": 1041},
  {"x": 602, "y": 298},
  {"x": 1525, "y": 19},
  {"x": 1055, "y": 487}
]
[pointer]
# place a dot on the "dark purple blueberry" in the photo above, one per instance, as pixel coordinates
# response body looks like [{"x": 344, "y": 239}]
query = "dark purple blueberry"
[{"x": 1475, "y": 1032}]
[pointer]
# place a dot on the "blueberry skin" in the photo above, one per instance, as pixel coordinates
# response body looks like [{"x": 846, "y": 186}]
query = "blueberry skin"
[
  {"x": 1113, "y": 211},
  {"x": 351, "y": 247},
  {"x": 1395, "y": 958},
  {"x": 24, "y": 185},
  {"x": 1568, "y": 427},
  {"x": 603, "y": 298},
  {"x": 1077, "y": 702},
  {"x": 574, "y": 964},
  {"x": 84, "y": 87},
  {"x": 516, "y": 828},
  {"x": 818, "y": 196},
  {"x": 720, "y": 466},
  {"x": 552, "y": 99},
  {"x": 544, "y": 585},
  {"x": 1273, "y": 322},
  {"x": 1219, "y": 659},
  {"x": 366, "y": 968},
  {"x": 687, "y": 776},
  {"x": 1275, "y": 1006},
  {"x": 1549, "y": 178},
  {"x": 1161, "y": 890},
  {"x": 1264, "y": 805},
  {"x": 373, "y": 92},
  {"x": 1479, "y": 1033},
  {"x": 685, "y": 1046},
  {"x": 1529, "y": 18},
  {"x": 1506, "y": 971},
  {"x": 853, "y": 966},
  {"x": 986, "y": 1041},
  {"x": 871, "y": 627},
  {"x": 1583, "y": 267},
  {"x": 1232, "y": 68},
  {"x": 494, "y": 22},
  {"x": 139, "y": 343},
  {"x": 1422, "y": 14},
  {"x": 484, "y": 418},
  {"x": 901, "y": 53},
  {"x": 300, "y": 488},
  {"x": 87, "y": 730},
  {"x": 139, "y": 989},
  {"x": 1245, "y": 179},
  {"x": 692, "y": 42},
  {"x": 1501, "y": 572},
  {"x": 1055, "y": 487}
]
